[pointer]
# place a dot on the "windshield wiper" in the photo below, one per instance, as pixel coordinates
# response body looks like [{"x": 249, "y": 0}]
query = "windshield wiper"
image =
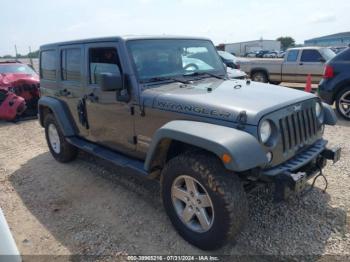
[
  {"x": 158, "y": 79},
  {"x": 205, "y": 74}
]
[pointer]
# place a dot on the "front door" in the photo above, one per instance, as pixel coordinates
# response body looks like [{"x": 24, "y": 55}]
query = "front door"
[
  {"x": 310, "y": 63},
  {"x": 110, "y": 121}
]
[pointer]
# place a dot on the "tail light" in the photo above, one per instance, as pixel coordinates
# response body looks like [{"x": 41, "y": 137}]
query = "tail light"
[{"x": 328, "y": 72}]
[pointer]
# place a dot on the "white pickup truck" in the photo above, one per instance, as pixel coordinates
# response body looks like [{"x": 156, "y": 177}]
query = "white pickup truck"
[{"x": 295, "y": 67}]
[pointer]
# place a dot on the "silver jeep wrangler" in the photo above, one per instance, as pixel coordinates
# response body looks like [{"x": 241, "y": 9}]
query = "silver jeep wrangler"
[{"x": 164, "y": 108}]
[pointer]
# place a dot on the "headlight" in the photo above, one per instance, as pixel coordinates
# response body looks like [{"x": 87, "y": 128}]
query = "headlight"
[
  {"x": 265, "y": 131},
  {"x": 318, "y": 109}
]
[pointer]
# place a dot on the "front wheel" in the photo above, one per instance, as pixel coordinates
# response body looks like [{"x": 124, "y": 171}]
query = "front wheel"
[
  {"x": 60, "y": 149},
  {"x": 343, "y": 103},
  {"x": 206, "y": 204}
]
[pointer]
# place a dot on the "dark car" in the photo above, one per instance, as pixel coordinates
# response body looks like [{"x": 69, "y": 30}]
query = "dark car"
[
  {"x": 229, "y": 60},
  {"x": 335, "y": 85}
]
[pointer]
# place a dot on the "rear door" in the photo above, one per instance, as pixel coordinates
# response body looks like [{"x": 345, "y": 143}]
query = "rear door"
[
  {"x": 110, "y": 121},
  {"x": 72, "y": 87},
  {"x": 310, "y": 63},
  {"x": 289, "y": 66}
]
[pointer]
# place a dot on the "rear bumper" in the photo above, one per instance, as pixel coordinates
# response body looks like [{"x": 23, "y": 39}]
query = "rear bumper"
[{"x": 292, "y": 176}]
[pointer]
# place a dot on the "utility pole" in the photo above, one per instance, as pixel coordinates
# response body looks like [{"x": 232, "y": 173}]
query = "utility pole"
[
  {"x": 16, "y": 52},
  {"x": 30, "y": 56}
]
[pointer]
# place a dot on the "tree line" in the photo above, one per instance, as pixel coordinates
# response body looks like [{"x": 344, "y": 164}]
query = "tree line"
[{"x": 34, "y": 54}]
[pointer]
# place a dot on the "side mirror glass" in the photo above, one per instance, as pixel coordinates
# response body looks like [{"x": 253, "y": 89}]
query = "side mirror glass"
[{"x": 110, "y": 81}]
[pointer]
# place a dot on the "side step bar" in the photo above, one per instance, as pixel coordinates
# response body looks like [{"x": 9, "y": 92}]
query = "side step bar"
[{"x": 115, "y": 158}]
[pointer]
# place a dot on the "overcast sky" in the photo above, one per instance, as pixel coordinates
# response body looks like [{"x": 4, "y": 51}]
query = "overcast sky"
[{"x": 32, "y": 23}]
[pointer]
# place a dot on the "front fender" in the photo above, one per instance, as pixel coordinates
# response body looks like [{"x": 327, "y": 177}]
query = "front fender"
[
  {"x": 244, "y": 149},
  {"x": 330, "y": 118},
  {"x": 61, "y": 113}
]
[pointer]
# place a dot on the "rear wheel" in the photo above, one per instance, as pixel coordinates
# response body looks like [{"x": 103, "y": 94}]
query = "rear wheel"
[
  {"x": 259, "y": 77},
  {"x": 60, "y": 149},
  {"x": 206, "y": 204},
  {"x": 343, "y": 103}
]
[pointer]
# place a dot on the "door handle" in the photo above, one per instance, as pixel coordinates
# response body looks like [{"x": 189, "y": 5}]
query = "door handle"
[
  {"x": 64, "y": 92},
  {"x": 92, "y": 98}
]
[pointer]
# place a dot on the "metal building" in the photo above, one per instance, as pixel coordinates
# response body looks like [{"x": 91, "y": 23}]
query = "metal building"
[
  {"x": 340, "y": 39},
  {"x": 242, "y": 48}
]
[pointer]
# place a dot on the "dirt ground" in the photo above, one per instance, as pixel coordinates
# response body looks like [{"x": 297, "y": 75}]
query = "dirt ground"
[{"x": 86, "y": 208}]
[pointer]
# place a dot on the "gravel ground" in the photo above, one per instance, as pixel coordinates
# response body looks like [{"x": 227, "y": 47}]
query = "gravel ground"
[{"x": 87, "y": 208}]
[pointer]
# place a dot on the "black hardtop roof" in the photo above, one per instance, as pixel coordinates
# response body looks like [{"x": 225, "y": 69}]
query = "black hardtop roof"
[{"x": 118, "y": 38}]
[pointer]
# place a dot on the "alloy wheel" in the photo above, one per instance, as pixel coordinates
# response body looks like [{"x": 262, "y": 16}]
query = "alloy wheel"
[{"x": 192, "y": 204}]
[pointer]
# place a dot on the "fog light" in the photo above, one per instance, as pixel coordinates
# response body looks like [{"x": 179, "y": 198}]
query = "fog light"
[{"x": 269, "y": 157}]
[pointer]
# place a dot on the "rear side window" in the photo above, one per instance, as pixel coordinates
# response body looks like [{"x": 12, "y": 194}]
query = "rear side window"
[
  {"x": 48, "y": 61},
  {"x": 310, "y": 56},
  {"x": 292, "y": 55},
  {"x": 71, "y": 64}
]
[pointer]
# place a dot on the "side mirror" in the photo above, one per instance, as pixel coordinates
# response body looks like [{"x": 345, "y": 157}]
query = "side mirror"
[{"x": 110, "y": 81}]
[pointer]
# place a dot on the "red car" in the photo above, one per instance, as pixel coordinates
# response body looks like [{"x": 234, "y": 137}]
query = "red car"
[{"x": 19, "y": 89}]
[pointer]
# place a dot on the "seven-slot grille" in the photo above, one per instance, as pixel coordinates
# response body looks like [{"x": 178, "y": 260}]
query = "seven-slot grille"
[{"x": 298, "y": 128}]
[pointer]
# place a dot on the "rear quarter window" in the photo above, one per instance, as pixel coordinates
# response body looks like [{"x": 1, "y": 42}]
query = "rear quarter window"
[
  {"x": 343, "y": 56},
  {"x": 311, "y": 56},
  {"x": 48, "y": 61}
]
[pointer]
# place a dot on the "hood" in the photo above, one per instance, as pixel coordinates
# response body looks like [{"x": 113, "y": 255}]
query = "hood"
[
  {"x": 223, "y": 99},
  {"x": 11, "y": 79}
]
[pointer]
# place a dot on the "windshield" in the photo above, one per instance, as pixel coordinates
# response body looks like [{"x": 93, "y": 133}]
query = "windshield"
[
  {"x": 155, "y": 59},
  {"x": 327, "y": 53},
  {"x": 16, "y": 68}
]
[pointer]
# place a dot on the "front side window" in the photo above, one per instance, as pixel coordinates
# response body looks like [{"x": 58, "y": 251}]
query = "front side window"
[
  {"x": 174, "y": 57},
  {"x": 292, "y": 56},
  {"x": 48, "y": 65},
  {"x": 102, "y": 60},
  {"x": 71, "y": 64},
  {"x": 310, "y": 56}
]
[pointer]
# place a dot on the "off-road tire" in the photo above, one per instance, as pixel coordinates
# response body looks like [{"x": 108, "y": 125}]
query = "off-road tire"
[
  {"x": 337, "y": 102},
  {"x": 259, "y": 76},
  {"x": 225, "y": 190},
  {"x": 67, "y": 152}
]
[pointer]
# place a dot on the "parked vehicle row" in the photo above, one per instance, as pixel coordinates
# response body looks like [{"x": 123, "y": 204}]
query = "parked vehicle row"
[{"x": 265, "y": 54}]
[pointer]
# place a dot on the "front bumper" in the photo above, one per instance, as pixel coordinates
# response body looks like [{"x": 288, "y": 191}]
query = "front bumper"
[{"x": 292, "y": 176}]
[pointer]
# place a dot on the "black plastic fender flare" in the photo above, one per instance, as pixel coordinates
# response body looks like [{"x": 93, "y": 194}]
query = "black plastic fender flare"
[
  {"x": 244, "y": 149},
  {"x": 61, "y": 113}
]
